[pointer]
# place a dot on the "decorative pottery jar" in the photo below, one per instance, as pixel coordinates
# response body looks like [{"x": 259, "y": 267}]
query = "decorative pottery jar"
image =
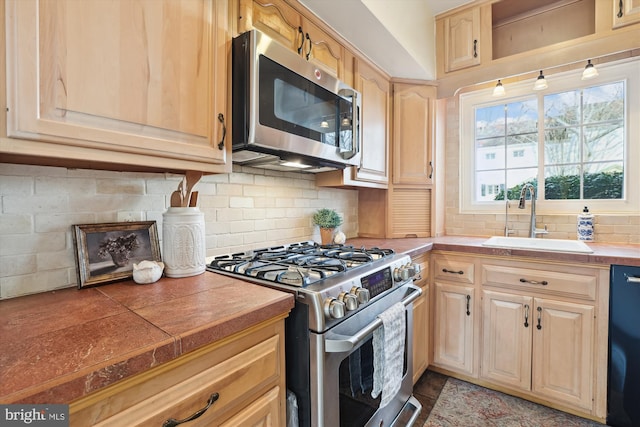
[{"x": 183, "y": 242}]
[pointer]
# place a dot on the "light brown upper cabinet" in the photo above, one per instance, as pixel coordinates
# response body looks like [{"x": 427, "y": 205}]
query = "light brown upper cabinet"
[
  {"x": 285, "y": 24},
  {"x": 625, "y": 12},
  {"x": 412, "y": 133},
  {"x": 462, "y": 39},
  {"x": 374, "y": 123},
  {"x": 135, "y": 85}
]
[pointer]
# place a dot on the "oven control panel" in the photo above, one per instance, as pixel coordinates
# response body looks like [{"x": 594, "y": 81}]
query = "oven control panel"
[{"x": 378, "y": 282}]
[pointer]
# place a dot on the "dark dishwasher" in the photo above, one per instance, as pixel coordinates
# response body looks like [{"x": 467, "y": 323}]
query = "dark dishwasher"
[{"x": 623, "y": 388}]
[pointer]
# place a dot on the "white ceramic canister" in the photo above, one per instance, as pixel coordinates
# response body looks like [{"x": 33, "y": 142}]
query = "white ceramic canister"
[
  {"x": 183, "y": 242},
  {"x": 585, "y": 225}
]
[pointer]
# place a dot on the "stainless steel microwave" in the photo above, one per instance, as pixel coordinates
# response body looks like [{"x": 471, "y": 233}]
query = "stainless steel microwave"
[{"x": 288, "y": 114}]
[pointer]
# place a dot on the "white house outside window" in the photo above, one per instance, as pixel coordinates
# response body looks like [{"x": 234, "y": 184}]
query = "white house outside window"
[{"x": 577, "y": 142}]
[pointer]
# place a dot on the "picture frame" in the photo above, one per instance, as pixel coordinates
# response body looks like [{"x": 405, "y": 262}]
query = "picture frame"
[{"x": 106, "y": 252}]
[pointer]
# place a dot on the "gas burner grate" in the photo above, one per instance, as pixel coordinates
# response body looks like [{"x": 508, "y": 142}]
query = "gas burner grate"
[{"x": 297, "y": 264}]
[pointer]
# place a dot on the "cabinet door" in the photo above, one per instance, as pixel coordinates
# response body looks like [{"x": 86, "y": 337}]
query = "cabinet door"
[
  {"x": 120, "y": 79},
  {"x": 409, "y": 212},
  {"x": 454, "y": 326},
  {"x": 421, "y": 330},
  {"x": 506, "y": 339},
  {"x": 625, "y": 12},
  {"x": 374, "y": 124},
  {"x": 462, "y": 39},
  {"x": 412, "y": 134},
  {"x": 321, "y": 49},
  {"x": 275, "y": 18},
  {"x": 264, "y": 412},
  {"x": 563, "y": 352}
]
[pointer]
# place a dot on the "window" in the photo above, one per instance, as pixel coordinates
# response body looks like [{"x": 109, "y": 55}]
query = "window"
[{"x": 576, "y": 142}]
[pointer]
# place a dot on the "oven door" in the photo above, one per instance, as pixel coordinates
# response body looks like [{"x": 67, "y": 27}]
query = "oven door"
[{"x": 343, "y": 378}]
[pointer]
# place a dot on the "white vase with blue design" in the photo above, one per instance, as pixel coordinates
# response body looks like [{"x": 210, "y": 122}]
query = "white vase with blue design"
[{"x": 585, "y": 226}]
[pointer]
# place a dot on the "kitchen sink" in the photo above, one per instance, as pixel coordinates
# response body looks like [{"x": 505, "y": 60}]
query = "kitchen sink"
[{"x": 553, "y": 245}]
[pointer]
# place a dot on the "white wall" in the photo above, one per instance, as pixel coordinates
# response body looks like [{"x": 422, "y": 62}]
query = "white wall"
[{"x": 248, "y": 209}]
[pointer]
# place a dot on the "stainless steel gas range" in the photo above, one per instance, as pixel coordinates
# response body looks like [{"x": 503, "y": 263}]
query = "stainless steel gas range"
[{"x": 341, "y": 292}]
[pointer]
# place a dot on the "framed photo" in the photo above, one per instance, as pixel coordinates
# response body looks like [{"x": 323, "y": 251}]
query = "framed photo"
[{"x": 106, "y": 252}]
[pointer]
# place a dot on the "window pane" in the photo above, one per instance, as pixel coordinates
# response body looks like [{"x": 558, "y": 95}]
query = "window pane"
[
  {"x": 603, "y": 142},
  {"x": 516, "y": 178},
  {"x": 490, "y": 153},
  {"x": 522, "y": 117},
  {"x": 603, "y": 180},
  {"x": 488, "y": 185},
  {"x": 562, "y": 145},
  {"x": 490, "y": 121},
  {"x": 522, "y": 150},
  {"x": 561, "y": 182},
  {"x": 604, "y": 103},
  {"x": 562, "y": 109}
]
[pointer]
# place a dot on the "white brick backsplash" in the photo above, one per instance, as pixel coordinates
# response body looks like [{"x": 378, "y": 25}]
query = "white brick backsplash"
[
  {"x": 16, "y": 224},
  {"x": 248, "y": 209}
]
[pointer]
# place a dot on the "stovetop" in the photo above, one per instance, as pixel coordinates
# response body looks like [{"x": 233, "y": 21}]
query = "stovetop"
[{"x": 298, "y": 264}]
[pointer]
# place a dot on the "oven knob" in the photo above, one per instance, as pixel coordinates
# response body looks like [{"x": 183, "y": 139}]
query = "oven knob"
[
  {"x": 333, "y": 308},
  {"x": 350, "y": 300},
  {"x": 361, "y": 294},
  {"x": 401, "y": 274}
]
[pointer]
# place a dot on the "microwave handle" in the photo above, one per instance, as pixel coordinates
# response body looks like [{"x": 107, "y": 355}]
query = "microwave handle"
[
  {"x": 356, "y": 126},
  {"x": 345, "y": 343}
]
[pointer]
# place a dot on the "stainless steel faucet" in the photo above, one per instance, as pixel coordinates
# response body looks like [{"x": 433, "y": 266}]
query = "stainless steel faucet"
[{"x": 533, "y": 231}]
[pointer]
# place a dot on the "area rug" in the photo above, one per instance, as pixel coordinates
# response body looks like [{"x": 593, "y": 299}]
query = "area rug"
[{"x": 467, "y": 405}]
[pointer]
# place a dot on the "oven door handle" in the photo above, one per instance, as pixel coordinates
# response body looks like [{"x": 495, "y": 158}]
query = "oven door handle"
[{"x": 348, "y": 343}]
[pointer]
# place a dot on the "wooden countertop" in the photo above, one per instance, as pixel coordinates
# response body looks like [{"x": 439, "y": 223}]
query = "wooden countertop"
[{"x": 61, "y": 345}]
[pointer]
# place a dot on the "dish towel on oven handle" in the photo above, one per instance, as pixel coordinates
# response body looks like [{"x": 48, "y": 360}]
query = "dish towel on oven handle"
[{"x": 388, "y": 353}]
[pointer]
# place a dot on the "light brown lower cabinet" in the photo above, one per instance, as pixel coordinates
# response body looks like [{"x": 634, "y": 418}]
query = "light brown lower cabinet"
[
  {"x": 421, "y": 324},
  {"x": 538, "y": 329},
  {"x": 539, "y": 345},
  {"x": 246, "y": 373}
]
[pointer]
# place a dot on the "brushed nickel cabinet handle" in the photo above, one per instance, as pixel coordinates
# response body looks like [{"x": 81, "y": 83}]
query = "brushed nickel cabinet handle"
[{"x": 172, "y": 422}]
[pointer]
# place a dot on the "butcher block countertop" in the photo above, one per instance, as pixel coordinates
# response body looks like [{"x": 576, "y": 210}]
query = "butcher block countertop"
[{"x": 62, "y": 345}]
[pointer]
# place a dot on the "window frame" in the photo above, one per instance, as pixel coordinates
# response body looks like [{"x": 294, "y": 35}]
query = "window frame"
[{"x": 626, "y": 70}]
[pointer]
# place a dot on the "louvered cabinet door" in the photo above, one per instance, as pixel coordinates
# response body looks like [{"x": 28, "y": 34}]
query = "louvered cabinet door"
[{"x": 409, "y": 213}]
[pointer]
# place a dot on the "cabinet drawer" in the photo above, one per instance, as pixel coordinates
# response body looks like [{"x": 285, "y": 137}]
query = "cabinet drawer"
[
  {"x": 237, "y": 374},
  {"x": 453, "y": 270},
  {"x": 552, "y": 282},
  {"x": 231, "y": 379}
]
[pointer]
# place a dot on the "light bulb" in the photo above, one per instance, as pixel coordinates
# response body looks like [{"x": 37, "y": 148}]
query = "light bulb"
[
  {"x": 499, "y": 89},
  {"x": 541, "y": 82},
  {"x": 589, "y": 71}
]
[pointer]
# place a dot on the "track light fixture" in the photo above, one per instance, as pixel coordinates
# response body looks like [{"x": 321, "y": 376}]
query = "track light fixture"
[
  {"x": 589, "y": 71},
  {"x": 541, "y": 82},
  {"x": 499, "y": 89}
]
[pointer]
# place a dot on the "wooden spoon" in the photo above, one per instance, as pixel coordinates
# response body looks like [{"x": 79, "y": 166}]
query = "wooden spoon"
[{"x": 192, "y": 178}]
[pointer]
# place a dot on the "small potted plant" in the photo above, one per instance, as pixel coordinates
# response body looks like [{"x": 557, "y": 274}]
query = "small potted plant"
[{"x": 327, "y": 220}]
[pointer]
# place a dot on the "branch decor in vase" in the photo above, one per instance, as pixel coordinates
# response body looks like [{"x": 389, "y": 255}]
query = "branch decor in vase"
[{"x": 328, "y": 220}]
